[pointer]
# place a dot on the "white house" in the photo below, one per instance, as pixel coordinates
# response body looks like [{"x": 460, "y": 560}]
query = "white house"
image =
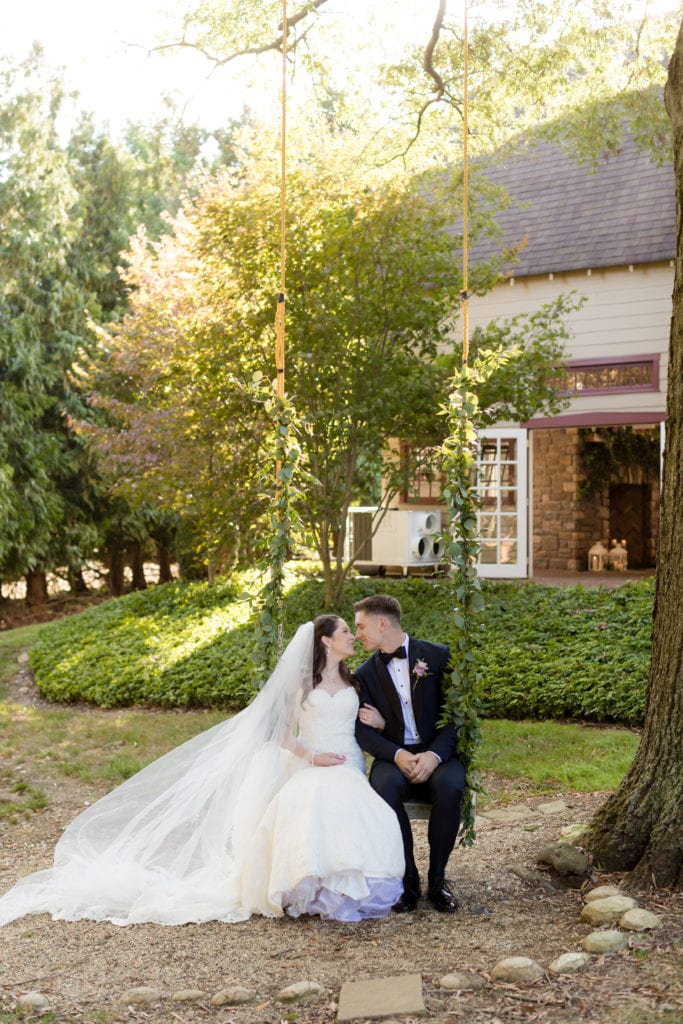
[{"x": 608, "y": 234}]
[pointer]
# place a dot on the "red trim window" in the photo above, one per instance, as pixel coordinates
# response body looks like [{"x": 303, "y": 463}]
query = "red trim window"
[
  {"x": 423, "y": 482},
  {"x": 598, "y": 376}
]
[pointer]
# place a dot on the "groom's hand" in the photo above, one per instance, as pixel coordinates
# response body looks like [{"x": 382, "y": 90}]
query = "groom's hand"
[
  {"x": 405, "y": 762},
  {"x": 424, "y": 765}
]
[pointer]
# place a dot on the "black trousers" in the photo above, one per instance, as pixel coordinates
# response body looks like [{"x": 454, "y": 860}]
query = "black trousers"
[{"x": 443, "y": 790}]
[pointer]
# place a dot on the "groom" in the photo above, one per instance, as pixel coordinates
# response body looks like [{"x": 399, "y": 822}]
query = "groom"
[{"x": 415, "y": 759}]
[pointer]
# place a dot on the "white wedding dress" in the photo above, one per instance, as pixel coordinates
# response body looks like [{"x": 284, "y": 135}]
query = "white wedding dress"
[
  {"x": 327, "y": 843},
  {"x": 233, "y": 823}
]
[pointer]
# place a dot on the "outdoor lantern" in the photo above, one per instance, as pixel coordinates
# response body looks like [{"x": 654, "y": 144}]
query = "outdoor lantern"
[
  {"x": 597, "y": 557},
  {"x": 618, "y": 556}
]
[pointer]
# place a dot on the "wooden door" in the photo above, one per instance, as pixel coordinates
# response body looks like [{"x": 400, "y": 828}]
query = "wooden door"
[{"x": 629, "y": 508}]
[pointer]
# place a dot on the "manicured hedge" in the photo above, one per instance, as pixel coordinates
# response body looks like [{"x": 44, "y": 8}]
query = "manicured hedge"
[{"x": 544, "y": 653}]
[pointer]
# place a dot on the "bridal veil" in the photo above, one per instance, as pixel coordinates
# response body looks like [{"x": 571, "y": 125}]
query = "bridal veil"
[{"x": 168, "y": 845}]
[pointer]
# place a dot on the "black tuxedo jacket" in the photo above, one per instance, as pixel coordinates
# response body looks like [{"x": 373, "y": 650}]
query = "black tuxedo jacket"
[{"x": 377, "y": 688}]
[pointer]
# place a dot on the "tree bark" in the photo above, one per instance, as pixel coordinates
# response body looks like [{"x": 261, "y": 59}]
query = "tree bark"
[
  {"x": 640, "y": 828},
  {"x": 77, "y": 583},
  {"x": 36, "y": 587},
  {"x": 164, "y": 562},
  {"x": 137, "y": 566},
  {"x": 115, "y": 577}
]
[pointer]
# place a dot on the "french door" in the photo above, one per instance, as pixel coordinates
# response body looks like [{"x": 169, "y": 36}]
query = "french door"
[{"x": 501, "y": 484}]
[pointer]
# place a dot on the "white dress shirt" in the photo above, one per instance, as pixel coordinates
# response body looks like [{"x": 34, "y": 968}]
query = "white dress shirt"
[{"x": 399, "y": 670}]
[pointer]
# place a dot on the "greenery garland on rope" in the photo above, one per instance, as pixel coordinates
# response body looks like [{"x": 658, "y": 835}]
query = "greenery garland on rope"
[
  {"x": 459, "y": 454},
  {"x": 281, "y": 493}
]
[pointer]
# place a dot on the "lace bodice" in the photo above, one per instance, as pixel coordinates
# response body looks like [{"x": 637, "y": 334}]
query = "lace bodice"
[{"x": 327, "y": 723}]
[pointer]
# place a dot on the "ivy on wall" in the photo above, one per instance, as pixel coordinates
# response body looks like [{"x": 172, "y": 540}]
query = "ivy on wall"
[{"x": 606, "y": 452}]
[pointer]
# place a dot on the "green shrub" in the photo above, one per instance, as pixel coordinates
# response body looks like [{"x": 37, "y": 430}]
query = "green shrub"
[{"x": 545, "y": 652}]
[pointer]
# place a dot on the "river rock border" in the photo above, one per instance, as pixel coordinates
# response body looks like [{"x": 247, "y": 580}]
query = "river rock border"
[{"x": 606, "y": 907}]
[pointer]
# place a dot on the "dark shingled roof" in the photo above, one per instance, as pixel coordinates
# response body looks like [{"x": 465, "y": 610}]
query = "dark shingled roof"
[{"x": 576, "y": 217}]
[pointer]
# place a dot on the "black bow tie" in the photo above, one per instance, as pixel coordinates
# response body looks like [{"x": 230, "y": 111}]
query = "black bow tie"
[{"x": 386, "y": 657}]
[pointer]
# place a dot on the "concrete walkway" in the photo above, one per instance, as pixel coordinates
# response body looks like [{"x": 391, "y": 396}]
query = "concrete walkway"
[{"x": 567, "y": 578}]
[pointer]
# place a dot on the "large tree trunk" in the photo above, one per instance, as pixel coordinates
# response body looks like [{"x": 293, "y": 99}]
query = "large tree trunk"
[
  {"x": 164, "y": 562},
  {"x": 36, "y": 587},
  {"x": 640, "y": 828},
  {"x": 115, "y": 567},
  {"x": 137, "y": 566},
  {"x": 77, "y": 583}
]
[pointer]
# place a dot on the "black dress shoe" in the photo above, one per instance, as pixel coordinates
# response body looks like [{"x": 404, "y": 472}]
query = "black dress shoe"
[
  {"x": 442, "y": 899},
  {"x": 406, "y": 904}
]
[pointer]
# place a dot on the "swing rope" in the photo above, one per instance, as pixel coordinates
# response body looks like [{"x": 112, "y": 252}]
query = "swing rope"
[
  {"x": 280, "y": 308},
  {"x": 465, "y": 188}
]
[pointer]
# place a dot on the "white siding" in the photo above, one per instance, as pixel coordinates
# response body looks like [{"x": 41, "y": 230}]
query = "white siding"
[{"x": 626, "y": 313}]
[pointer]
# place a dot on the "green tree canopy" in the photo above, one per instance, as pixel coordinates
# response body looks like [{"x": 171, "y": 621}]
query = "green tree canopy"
[
  {"x": 372, "y": 285},
  {"x": 67, "y": 208}
]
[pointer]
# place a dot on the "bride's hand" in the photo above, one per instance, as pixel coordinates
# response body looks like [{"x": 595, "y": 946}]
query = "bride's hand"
[
  {"x": 327, "y": 760},
  {"x": 369, "y": 715}
]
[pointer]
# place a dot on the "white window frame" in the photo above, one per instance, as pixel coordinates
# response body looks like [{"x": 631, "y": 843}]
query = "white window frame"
[{"x": 503, "y": 569}]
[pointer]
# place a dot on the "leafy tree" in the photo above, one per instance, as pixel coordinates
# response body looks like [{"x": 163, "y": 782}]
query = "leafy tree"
[
  {"x": 42, "y": 326},
  {"x": 167, "y": 160},
  {"x": 105, "y": 209},
  {"x": 531, "y": 63},
  {"x": 371, "y": 289},
  {"x": 577, "y": 71},
  {"x": 120, "y": 187},
  {"x": 183, "y": 427},
  {"x": 67, "y": 210}
]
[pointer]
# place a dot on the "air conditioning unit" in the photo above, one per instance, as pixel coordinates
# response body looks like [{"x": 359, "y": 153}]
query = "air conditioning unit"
[{"x": 404, "y": 538}]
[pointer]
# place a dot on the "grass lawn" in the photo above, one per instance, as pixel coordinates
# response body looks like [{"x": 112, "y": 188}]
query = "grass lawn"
[
  {"x": 550, "y": 756},
  {"x": 108, "y": 746}
]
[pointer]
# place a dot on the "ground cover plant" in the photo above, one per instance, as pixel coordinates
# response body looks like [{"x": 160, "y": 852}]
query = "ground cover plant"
[{"x": 544, "y": 652}]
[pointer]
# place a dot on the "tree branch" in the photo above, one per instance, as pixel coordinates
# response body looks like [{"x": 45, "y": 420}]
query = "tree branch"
[
  {"x": 248, "y": 51},
  {"x": 428, "y": 62},
  {"x": 439, "y": 84}
]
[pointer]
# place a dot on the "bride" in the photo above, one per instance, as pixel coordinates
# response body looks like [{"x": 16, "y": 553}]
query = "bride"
[{"x": 266, "y": 813}]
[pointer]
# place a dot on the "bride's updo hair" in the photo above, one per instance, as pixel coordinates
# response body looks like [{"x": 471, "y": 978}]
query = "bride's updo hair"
[{"x": 325, "y": 625}]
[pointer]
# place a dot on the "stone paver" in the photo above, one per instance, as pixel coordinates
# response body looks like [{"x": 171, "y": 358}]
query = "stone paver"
[
  {"x": 517, "y": 969},
  {"x": 234, "y": 995},
  {"x": 381, "y": 997},
  {"x": 569, "y": 963},
  {"x": 553, "y": 807},
  {"x": 573, "y": 833},
  {"x": 187, "y": 995},
  {"x": 300, "y": 991},
  {"x": 141, "y": 995},
  {"x": 34, "y": 1001},
  {"x": 506, "y": 815}
]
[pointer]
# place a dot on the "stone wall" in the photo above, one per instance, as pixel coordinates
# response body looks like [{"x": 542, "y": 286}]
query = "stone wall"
[
  {"x": 559, "y": 533},
  {"x": 565, "y": 526}
]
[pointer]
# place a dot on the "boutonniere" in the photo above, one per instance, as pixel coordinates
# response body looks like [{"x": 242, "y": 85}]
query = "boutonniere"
[{"x": 420, "y": 670}]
